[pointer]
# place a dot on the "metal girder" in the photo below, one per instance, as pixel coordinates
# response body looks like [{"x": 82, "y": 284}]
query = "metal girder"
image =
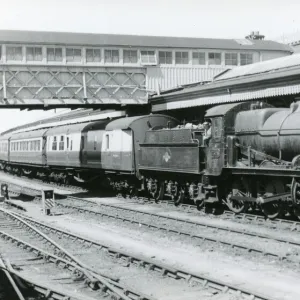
[{"x": 57, "y": 86}]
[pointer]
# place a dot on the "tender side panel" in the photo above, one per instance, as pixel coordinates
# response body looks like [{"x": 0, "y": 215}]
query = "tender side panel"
[
  {"x": 171, "y": 158},
  {"x": 117, "y": 150}
]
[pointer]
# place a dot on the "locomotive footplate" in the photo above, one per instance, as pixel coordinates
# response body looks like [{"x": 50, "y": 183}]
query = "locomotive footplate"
[{"x": 261, "y": 200}]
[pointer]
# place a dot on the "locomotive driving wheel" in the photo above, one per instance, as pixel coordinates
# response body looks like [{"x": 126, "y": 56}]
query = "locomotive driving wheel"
[
  {"x": 272, "y": 209},
  {"x": 296, "y": 197},
  {"x": 178, "y": 199},
  {"x": 239, "y": 188},
  {"x": 160, "y": 192}
]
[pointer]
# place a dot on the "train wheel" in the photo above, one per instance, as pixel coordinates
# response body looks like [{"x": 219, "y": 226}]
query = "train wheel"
[
  {"x": 178, "y": 199},
  {"x": 296, "y": 198},
  {"x": 239, "y": 188},
  {"x": 200, "y": 204},
  {"x": 274, "y": 209},
  {"x": 161, "y": 192}
]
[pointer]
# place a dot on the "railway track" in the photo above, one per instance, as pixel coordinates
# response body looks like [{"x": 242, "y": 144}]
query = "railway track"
[
  {"x": 290, "y": 257},
  {"x": 26, "y": 246},
  {"x": 184, "y": 228},
  {"x": 253, "y": 218},
  {"x": 208, "y": 284}
]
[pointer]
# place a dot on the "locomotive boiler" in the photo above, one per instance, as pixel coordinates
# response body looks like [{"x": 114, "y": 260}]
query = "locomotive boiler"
[{"x": 274, "y": 131}]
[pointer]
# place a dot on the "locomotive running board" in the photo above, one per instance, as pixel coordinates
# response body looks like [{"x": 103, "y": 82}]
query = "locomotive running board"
[
  {"x": 265, "y": 171},
  {"x": 260, "y": 200}
]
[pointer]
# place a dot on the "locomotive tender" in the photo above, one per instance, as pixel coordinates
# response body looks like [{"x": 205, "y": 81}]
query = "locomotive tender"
[{"x": 251, "y": 159}]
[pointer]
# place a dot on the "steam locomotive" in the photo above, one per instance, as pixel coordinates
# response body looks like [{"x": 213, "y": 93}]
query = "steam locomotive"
[{"x": 250, "y": 161}]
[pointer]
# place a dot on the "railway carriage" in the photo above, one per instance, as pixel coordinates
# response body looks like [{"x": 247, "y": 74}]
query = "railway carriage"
[
  {"x": 93, "y": 134},
  {"x": 121, "y": 144},
  {"x": 4, "y": 149},
  {"x": 64, "y": 146},
  {"x": 28, "y": 149}
]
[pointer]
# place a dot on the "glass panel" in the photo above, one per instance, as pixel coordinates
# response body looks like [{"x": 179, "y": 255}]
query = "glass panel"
[
  {"x": 34, "y": 53},
  {"x": 54, "y": 54},
  {"x": 181, "y": 57},
  {"x": 214, "y": 58},
  {"x": 231, "y": 59},
  {"x": 130, "y": 56},
  {"x": 165, "y": 57},
  {"x": 73, "y": 55},
  {"x": 246, "y": 58},
  {"x": 14, "y": 53},
  {"x": 148, "y": 57},
  {"x": 198, "y": 58}
]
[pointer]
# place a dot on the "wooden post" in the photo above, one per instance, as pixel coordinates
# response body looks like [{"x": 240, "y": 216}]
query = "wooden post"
[{"x": 48, "y": 201}]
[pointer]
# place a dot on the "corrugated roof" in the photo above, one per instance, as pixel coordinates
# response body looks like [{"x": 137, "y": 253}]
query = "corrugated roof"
[
  {"x": 264, "y": 92},
  {"x": 71, "y": 38},
  {"x": 262, "y": 67}
]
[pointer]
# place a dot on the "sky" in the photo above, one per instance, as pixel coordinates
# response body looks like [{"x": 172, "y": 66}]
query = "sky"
[{"x": 187, "y": 18}]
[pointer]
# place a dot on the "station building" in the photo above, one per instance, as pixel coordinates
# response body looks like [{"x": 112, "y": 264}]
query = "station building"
[{"x": 59, "y": 69}]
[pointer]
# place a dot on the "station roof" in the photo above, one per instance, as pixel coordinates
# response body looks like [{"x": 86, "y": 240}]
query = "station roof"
[
  {"x": 95, "y": 39},
  {"x": 276, "y": 77}
]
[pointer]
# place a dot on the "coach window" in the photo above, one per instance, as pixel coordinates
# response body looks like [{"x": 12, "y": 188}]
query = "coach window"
[
  {"x": 148, "y": 57},
  {"x": 198, "y": 58},
  {"x": 54, "y": 144},
  {"x": 71, "y": 145},
  {"x": 14, "y": 53},
  {"x": 107, "y": 141},
  {"x": 95, "y": 142},
  {"x": 214, "y": 58},
  {"x": 181, "y": 58},
  {"x": 34, "y": 53},
  {"x": 68, "y": 142},
  {"x": 54, "y": 54},
  {"x": 111, "y": 56},
  {"x": 231, "y": 59},
  {"x": 93, "y": 55},
  {"x": 73, "y": 55},
  {"x": 130, "y": 56},
  {"x": 62, "y": 143},
  {"x": 246, "y": 58},
  {"x": 165, "y": 57}
]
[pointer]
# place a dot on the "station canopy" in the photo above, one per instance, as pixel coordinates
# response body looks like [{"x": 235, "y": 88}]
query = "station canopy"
[{"x": 263, "y": 80}]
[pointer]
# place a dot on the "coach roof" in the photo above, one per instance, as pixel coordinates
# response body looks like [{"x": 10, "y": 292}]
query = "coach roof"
[{"x": 95, "y": 39}]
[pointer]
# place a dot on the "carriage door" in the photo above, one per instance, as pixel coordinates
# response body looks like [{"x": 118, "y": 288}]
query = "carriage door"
[
  {"x": 216, "y": 148},
  {"x": 68, "y": 140}
]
